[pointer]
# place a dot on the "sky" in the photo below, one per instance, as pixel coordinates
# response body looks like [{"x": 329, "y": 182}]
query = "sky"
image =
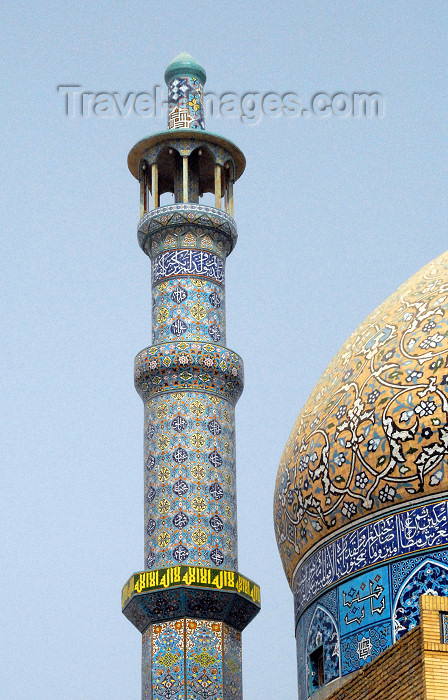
[{"x": 333, "y": 213}]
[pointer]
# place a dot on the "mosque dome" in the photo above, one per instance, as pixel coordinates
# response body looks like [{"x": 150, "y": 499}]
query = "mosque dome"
[{"x": 372, "y": 438}]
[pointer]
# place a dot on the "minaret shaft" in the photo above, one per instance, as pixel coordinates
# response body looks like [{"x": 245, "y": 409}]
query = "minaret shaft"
[{"x": 190, "y": 482}]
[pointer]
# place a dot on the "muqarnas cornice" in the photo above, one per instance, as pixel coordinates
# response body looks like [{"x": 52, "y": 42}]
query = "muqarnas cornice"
[
  {"x": 188, "y": 366},
  {"x": 177, "y": 220}
]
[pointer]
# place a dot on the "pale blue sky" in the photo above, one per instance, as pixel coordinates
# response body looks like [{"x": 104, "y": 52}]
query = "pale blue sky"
[{"x": 333, "y": 214}]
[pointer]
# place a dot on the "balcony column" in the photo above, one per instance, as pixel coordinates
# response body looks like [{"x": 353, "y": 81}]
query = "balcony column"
[
  {"x": 217, "y": 186},
  {"x": 142, "y": 195},
  {"x": 230, "y": 198},
  {"x": 155, "y": 185},
  {"x": 185, "y": 178}
]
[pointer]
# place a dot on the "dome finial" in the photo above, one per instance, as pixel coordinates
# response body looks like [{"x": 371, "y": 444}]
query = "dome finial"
[{"x": 183, "y": 66}]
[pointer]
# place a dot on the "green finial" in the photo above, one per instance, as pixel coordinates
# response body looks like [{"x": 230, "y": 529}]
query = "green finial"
[{"x": 183, "y": 66}]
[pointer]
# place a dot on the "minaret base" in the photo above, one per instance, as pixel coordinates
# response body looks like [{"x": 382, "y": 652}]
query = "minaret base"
[{"x": 191, "y": 659}]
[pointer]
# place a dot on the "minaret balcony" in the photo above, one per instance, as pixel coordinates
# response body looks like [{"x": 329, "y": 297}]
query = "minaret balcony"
[
  {"x": 190, "y": 591},
  {"x": 187, "y": 164}
]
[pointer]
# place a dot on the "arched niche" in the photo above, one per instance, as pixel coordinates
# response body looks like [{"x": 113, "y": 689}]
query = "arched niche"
[
  {"x": 202, "y": 167},
  {"x": 169, "y": 166},
  {"x": 322, "y": 650},
  {"x": 430, "y": 577},
  {"x": 162, "y": 175}
]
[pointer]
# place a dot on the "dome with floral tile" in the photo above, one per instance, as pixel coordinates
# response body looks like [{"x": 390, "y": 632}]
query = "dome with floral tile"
[{"x": 372, "y": 439}]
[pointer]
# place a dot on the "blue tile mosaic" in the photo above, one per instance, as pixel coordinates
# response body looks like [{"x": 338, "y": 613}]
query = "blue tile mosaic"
[
  {"x": 190, "y": 483},
  {"x": 364, "y": 646},
  {"x": 364, "y": 600},
  {"x": 429, "y": 578},
  {"x": 369, "y": 612},
  {"x": 402, "y": 568},
  {"x": 191, "y": 309},
  {"x": 323, "y": 632}
]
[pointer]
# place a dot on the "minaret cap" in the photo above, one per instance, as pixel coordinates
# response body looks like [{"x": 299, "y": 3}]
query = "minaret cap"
[{"x": 182, "y": 66}]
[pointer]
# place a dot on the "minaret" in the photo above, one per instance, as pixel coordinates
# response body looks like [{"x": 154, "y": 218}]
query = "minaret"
[{"x": 190, "y": 603}]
